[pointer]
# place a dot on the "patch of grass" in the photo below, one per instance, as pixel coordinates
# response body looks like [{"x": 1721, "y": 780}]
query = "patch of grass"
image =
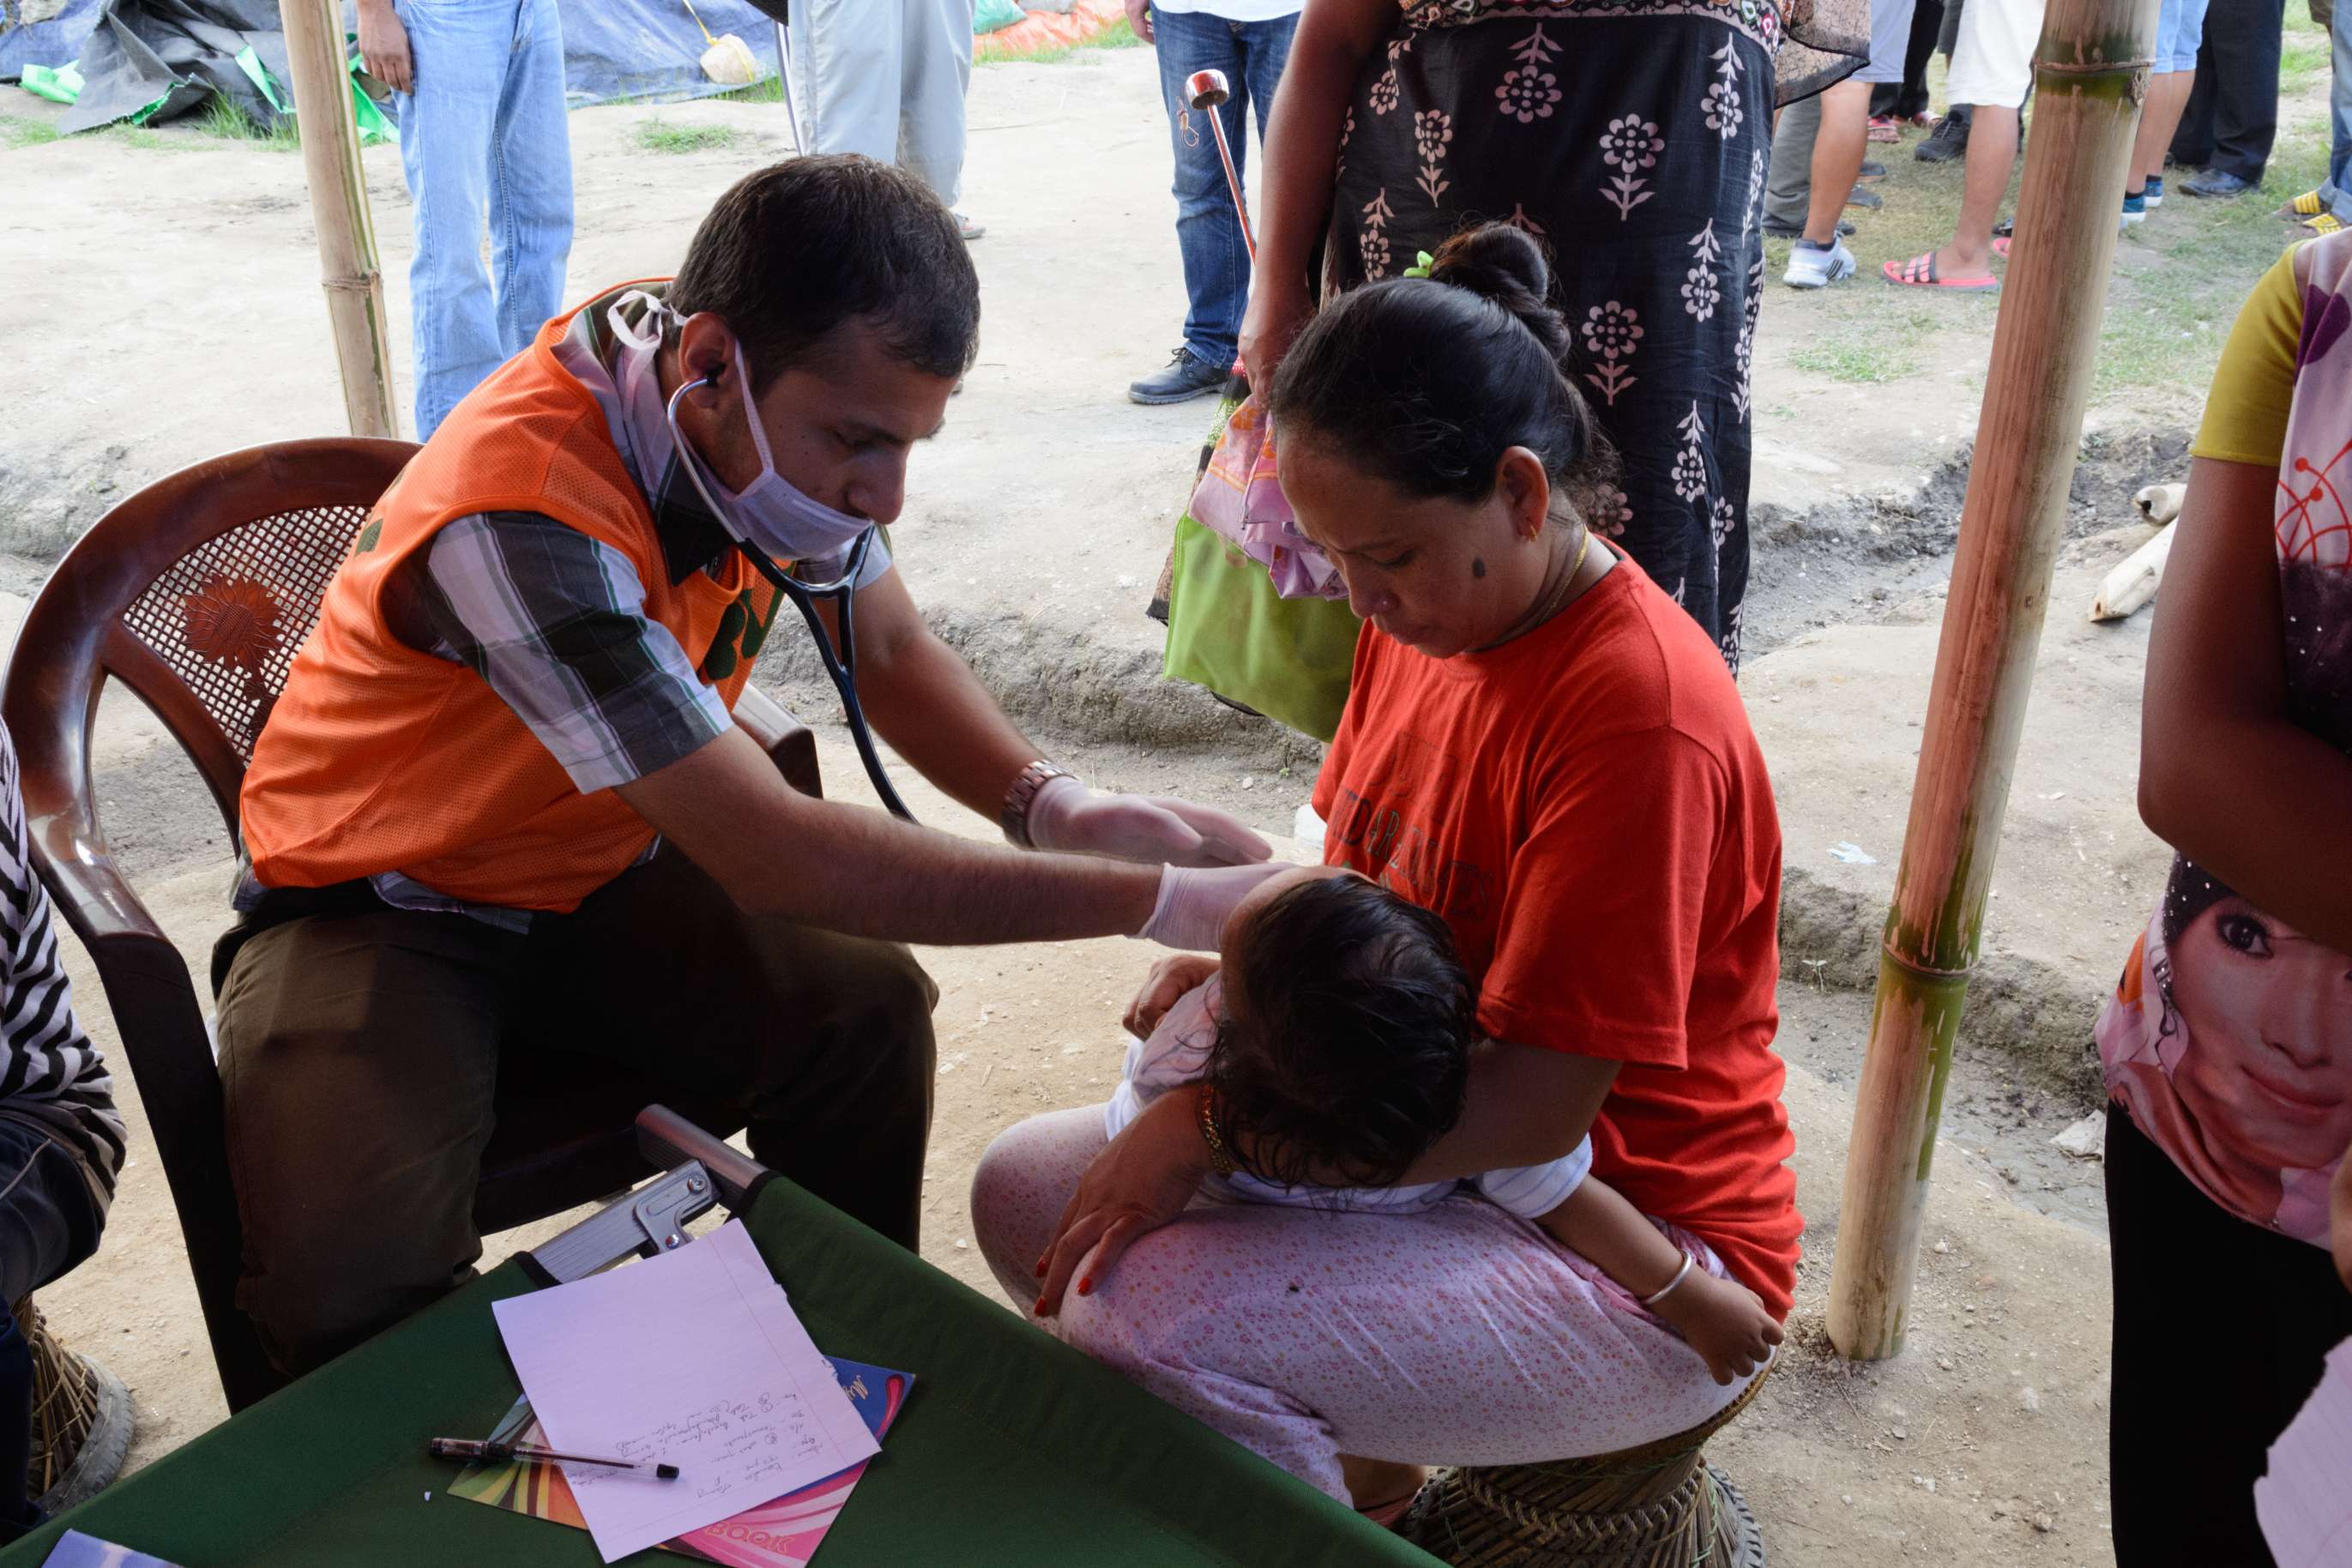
[
  {"x": 145, "y": 139},
  {"x": 225, "y": 122},
  {"x": 2180, "y": 277},
  {"x": 28, "y": 132},
  {"x": 767, "y": 90},
  {"x": 1117, "y": 35},
  {"x": 658, "y": 135},
  {"x": 2304, "y": 59}
]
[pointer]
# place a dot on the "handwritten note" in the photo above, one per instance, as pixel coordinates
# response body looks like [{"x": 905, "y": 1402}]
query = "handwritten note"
[
  {"x": 2305, "y": 1502},
  {"x": 694, "y": 1358}
]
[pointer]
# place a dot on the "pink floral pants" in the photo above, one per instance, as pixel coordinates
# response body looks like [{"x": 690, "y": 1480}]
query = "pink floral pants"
[{"x": 1458, "y": 1335}]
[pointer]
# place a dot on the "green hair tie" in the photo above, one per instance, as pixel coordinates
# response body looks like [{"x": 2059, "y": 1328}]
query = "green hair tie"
[{"x": 1423, "y": 261}]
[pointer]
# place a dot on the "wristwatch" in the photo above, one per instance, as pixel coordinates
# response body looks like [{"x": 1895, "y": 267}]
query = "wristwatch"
[{"x": 1014, "y": 816}]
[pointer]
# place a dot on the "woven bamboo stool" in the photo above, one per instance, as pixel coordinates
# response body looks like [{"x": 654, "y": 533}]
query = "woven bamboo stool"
[
  {"x": 1658, "y": 1506},
  {"x": 81, "y": 1419}
]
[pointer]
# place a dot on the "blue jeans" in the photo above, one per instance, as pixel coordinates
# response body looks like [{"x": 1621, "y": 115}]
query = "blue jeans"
[
  {"x": 1208, "y": 231},
  {"x": 2337, "y": 192},
  {"x": 483, "y": 138}
]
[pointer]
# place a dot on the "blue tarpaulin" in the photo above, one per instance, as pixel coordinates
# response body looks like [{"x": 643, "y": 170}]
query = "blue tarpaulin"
[{"x": 141, "y": 48}]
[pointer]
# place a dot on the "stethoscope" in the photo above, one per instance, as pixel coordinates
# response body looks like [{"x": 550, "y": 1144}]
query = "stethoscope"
[{"x": 841, "y": 666}]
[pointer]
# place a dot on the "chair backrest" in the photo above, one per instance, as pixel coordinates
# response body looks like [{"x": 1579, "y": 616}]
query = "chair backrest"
[
  {"x": 195, "y": 592},
  {"x": 201, "y": 587}
]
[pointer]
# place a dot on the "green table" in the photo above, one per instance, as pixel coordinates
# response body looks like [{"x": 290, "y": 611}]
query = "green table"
[{"x": 1013, "y": 1449}]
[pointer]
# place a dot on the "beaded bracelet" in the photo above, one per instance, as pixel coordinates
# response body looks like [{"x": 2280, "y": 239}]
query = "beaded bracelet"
[{"x": 1219, "y": 1157}]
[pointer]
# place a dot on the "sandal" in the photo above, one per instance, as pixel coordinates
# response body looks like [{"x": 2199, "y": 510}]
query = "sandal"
[
  {"x": 1920, "y": 272},
  {"x": 2326, "y": 223},
  {"x": 2001, "y": 246},
  {"x": 1884, "y": 128},
  {"x": 1868, "y": 200}
]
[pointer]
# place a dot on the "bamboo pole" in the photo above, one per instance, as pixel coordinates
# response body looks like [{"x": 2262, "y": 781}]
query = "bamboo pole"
[
  {"x": 2091, "y": 74},
  {"x": 338, "y": 210}
]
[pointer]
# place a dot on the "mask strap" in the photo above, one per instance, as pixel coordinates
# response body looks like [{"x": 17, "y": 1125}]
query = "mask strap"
[
  {"x": 752, "y": 412},
  {"x": 646, "y": 337}
]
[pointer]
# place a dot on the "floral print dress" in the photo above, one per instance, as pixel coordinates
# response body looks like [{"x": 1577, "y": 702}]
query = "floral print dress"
[{"x": 1630, "y": 137}]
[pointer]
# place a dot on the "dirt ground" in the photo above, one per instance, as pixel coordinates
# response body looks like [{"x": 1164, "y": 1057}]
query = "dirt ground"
[{"x": 166, "y": 289}]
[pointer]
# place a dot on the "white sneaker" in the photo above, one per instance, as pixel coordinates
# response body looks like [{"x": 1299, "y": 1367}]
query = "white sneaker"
[{"x": 1811, "y": 269}]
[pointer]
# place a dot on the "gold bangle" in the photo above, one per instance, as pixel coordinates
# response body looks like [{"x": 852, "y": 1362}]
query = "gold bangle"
[{"x": 1221, "y": 1159}]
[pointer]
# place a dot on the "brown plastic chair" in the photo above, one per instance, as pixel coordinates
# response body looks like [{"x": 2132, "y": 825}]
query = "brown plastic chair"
[{"x": 195, "y": 592}]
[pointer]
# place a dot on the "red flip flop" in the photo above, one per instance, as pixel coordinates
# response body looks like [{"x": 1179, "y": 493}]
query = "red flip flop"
[
  {"x": 2001, "y": 246},
  {"x": 1884, "y": 128},
  {"x": 1920, "y": 272}
]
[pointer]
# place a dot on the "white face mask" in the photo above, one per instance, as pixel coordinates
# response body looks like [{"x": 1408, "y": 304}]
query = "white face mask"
[{"x": 771, "y": 514}]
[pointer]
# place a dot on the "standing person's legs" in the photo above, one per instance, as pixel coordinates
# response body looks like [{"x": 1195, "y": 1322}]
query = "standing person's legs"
[
  {"x": 935, "y": 74},
  {"x": 1992, "y": 67},
  {"x": 50, "y": 1221},
  {"x": 445, "y": 126},
  {"x": 1926, "y": 26},
  {"x": 847, "y": 53},
  {"x": 2193, "y": 143},
  {"x": 2335, "y": 194},
  {"x": 358, "y": 1065},
  {"x": 828, "y": 1037},
  {"x": 1265, "y": 51},
  {"x": 1460, "y": 1335},
  {"x": 2244, "y": 39},
  {"x": 1817, "y": 258},
  {"x": 2201, "y": 1388},
  {"x": 530, "y": 179},
  {"x": 1208, "y": 232},
  {"x": 1992, "y": 158},
  {"x": 1838, "y": 146},
  {"x": 1788, "y": 180},
  {"x": 2172, "y": 71}
]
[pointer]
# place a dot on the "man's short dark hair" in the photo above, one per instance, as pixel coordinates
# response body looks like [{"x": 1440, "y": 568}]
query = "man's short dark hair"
[{"x": 796, "y": 249}]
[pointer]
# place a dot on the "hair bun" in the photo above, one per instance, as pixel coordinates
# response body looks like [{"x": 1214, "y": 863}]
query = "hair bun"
[{"x": 1500, "y": 262}]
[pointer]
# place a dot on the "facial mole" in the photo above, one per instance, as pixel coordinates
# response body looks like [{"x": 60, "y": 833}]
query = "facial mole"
[{"x": 1477, "y": 566}]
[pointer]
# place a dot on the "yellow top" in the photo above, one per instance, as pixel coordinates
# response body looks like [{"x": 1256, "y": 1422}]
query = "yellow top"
[{"x": 2253, "y": 386}]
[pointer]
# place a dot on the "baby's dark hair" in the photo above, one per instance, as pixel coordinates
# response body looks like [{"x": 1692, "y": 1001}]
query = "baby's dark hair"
[
  {"x": 1345, "y": 1049},
  {"x": 1427, "y": 383}
]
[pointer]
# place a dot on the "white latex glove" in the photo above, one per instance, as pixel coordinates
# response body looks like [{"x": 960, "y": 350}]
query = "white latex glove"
[
  {"x": 1068, "y": 817},
  {"x": 1193, "y": 904}
]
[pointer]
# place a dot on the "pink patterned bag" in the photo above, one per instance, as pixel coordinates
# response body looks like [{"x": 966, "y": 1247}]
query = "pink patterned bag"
[{"x": 1240, "y": 500}]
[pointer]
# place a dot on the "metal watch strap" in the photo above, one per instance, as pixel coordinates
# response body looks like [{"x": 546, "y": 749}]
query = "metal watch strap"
[{"x": 1014, "y": 818}]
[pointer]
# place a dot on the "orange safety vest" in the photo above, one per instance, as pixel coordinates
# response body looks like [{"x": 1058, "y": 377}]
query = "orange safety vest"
[{"x": 379, "y": 756}]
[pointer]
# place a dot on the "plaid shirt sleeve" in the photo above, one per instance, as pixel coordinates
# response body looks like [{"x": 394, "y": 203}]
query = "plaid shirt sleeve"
[{"x": 555, "y": 621}]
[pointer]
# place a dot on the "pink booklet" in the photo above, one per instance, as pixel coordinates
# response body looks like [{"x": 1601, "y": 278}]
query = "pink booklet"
[{"x": 782, "y": 1533}]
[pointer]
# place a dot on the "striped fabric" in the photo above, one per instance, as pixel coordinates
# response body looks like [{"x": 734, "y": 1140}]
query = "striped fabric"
[
  {"x": 555, "y": 621},
  {"x": 49, "y": 1071}
]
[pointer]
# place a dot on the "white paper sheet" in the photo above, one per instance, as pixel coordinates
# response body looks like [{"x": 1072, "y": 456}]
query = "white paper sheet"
[
  {"x": 2305, "y": 1502},
  {"x": 695, "y": 1358}
]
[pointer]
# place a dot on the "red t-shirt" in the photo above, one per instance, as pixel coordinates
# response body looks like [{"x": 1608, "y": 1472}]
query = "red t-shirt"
[{"x": 1587, "y": 808}]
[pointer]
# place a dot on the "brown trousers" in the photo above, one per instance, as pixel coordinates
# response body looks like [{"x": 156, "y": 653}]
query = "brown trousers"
[{"x": 358, "y": 1054}]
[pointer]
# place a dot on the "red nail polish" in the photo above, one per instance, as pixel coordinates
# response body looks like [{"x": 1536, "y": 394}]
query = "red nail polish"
[{"x": 1087, "y": 1286}]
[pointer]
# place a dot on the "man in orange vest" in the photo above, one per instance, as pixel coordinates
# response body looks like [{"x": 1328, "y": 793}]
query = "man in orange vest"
[{"x": 502, "y": 807}]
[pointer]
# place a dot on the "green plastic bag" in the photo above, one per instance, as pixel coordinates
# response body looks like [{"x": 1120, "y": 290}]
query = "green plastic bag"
[
  {"x": 62, "y": 85},
  {"x": 992, "y": 16},
  {"x": 373, "y": 127},
  {"x": 1228, "y": 630}
]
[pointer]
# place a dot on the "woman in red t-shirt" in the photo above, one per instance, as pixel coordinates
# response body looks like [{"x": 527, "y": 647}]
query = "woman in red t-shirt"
[{"x": 1540, "y": 747}]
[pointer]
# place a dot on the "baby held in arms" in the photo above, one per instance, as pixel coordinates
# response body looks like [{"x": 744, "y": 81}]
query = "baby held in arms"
[{"x": 1335, "y": 1038}]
